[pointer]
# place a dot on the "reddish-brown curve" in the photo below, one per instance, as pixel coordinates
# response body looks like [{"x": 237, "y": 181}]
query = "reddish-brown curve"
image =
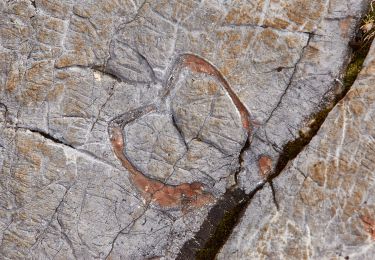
[
  {"x": 183, "y": 195},
  {"x": 198, "y": 64},
  {"x": 265, "y": 165}
]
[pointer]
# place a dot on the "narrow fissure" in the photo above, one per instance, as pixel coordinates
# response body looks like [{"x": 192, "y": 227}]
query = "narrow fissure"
[
  {"x": 225, "y": 215},
  {"x": 293, "y": 148},
  {"x": 274, "y": 194},
  {"x": 291, "y": 77},
  {"x": 48, "y": 136},
  {"x": 217, "y": 226},
  {"x": 241, "y": 160}
]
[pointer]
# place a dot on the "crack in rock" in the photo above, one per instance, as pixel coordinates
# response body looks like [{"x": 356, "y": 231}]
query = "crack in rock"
[
  {"x": 291, "y": 78},
  {"x": 185, "y": 151},
  {"x": 227, "y": 213}
]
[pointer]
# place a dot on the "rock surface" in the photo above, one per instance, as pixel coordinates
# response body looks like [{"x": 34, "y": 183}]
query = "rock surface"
[
  {"x": 326, "y": 195},
  {"x": 122, "y": 123}
]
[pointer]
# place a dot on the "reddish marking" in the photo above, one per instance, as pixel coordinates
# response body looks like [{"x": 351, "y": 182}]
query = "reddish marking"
[
  {"x": 186, "y": 194},
  {"x": 197, "y": 64},
  {"x": 265, "y": 165},
  {"x": 369, "y": 224}
]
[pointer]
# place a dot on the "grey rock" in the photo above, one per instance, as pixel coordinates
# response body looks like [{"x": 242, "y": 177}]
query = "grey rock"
[
  {"x": 87, "y": 171},
  {"x": 325, "y": 196}
]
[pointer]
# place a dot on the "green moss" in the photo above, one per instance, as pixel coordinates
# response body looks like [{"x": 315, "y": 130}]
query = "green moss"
[
  {"x": 355, "y": 66},
  {"x": 293, "y": 148},
  {"x": 290, "y": 151},
  {"x": 365, "y": 35}
]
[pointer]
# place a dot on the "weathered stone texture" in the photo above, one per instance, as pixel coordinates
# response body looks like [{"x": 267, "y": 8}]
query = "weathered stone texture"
[
  {"x": 77, "y": 180},
  {"x": 310, "y": 83},
  {"x": 325, "y": 196}
]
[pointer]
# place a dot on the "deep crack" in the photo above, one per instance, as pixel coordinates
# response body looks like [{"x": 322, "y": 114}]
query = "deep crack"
[
  {"x": 48, "y": 136},
  {"x": 55, "y": 140},
  {"x": 225, "y": 215}
]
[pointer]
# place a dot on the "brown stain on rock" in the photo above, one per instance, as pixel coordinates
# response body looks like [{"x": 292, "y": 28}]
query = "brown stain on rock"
[
  {"x": 301, "y": 11},
  {"x": 369, "y": 224},
  {"x": 265, "y": 165},
  {"x": 56, "y": 92},
  {"x": 269, "y": 38},
  {"x": 345, "y": 27},
  {"x": 317, "y": 171},
  {"x": 244, "y": 12},
  {"x": 183, "y": 195},
  {"x": 13, "y": 80},
  {"x": 72, "y": 58},
  {"x": 277, "y": 23},
  {"x": 198, "y": 64}
]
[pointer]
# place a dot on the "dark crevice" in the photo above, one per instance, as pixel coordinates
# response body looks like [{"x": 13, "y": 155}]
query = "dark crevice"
[
  {"x": 293, "y": 148},
  {"x": 49, "y": 137},
  {"x": 55, "y": 140},
  {"x": 216, "y": 228},
  {"x": 274, "y": 195},
  {"x": 33, "y": 3},
  {"x": 225, "y": 215},
  {"x": 218, "y": 225},
  {"x": 104, "y": 71},
  {"x": 98, "y": 68},
  {"x": 66, "y": 144},
  {"x": 241, "y": 159},
  {"x": 181, "y": 134},
  {"x": 221, "y": 220}
]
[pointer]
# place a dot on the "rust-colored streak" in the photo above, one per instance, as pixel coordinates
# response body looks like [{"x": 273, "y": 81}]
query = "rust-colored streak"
[
  {"x": 198, "y": 64},
  {"x": 369, "y": 224},
  {"x": 265, "y": 165},
  {"x": 183, "y": 195}
]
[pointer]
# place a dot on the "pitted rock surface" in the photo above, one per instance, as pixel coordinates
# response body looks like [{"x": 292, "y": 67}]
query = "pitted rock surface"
[
  {"x": 325, "y": 196},
  {"x": 227, "y": 84}
]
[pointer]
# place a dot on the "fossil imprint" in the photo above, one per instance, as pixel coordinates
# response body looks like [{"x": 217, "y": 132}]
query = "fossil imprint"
[{"x": 166, "y": 195}]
